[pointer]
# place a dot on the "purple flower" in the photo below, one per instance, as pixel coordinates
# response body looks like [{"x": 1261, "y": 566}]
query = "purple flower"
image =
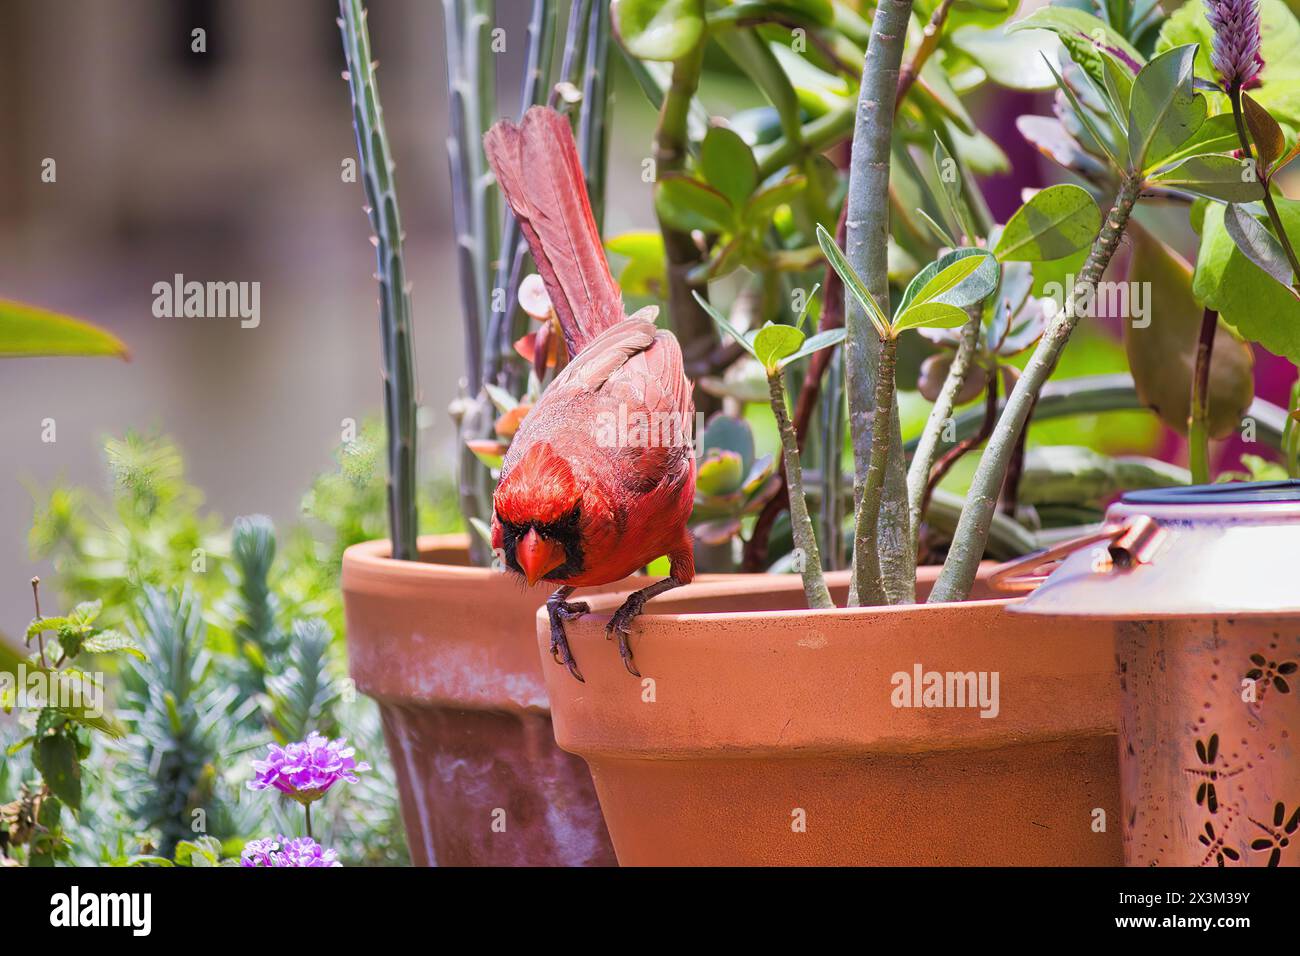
[
  {"x": 306, "y": 770},
  {"x": 281, "y": 851},
  {"x": 1236, "y": 55}
]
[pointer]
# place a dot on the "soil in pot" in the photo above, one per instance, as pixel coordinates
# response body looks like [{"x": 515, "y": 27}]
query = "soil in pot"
[{"x": 781, "y": 737}]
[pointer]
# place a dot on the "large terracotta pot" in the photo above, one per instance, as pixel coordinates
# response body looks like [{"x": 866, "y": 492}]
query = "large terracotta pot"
[
  {"x": 772, "y": 738},
  {"x": 447, "y": 651}
]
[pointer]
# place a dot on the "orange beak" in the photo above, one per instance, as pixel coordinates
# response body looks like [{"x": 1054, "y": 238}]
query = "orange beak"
[{"x": 537, "y": 556}]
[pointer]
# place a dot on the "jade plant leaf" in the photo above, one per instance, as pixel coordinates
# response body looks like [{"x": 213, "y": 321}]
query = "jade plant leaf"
[
  {"x": 1164, "y": 110},
  {"x": 1054, "y": 223},
  {"x": 1162, "y": 353},
  {"x": 663, "y": 30},
  {"x": 1260, "y": 309},
  {"x": 28, "y": 331},
  {"x": 688, "y": 204},
  {"x": 728, "y": 164},
  {"x": 646, "y": 271}
]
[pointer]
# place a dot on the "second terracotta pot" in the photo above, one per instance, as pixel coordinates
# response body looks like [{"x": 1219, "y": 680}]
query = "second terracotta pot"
[{"x": 762, "y": 734}]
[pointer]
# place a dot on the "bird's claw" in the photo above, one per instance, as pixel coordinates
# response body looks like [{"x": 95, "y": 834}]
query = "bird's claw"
[
  {"x": 561, "y": 611},
  {"x": 621, "y": 624}
]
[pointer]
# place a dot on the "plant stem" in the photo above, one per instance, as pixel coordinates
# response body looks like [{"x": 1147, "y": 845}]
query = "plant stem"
[
  {"x": 1016, "y": 469},
  {"x": 1198, "y": 436},
  {"x": 592, "y": 128},
  {"x": 814, "y": 581},
  {"x": 929, "y": 43},
  {"x": 866, "y": 557},
  {"x": 307, "y": 809},
  {"x": 967, "y": 549},
  {"x": 955, "y": 454},
  {"x": 1234, "y": 95},
  {"x": 866, "y": 249},
  {"x": 690, "y": 322},
  {"x": 40, "y": 637},
  {"x": 927, "y": 448},
  {"x": 376, "y": 167},
  {"x": 1291, "y": 435}
]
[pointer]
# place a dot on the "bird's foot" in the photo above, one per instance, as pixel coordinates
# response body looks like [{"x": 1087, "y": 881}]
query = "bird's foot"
[
  {"x": 560, "y": 611},
  {"x": 621, "y": 624}
]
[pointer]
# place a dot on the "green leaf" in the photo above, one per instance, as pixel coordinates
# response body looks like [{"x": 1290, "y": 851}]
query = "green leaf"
[
  {"x": 1217, "y": 177},
  {"x": 764, "y": 203},
  {"x": 687, "y": 204},
  {"x": 1218, "y": 134},
  {"x": 1082, "y": 34},
  {"x": 1118, "y": 88},
  {"x": 725, "y": 325},
  {"x": 1257, "y": 244},
  {"x": 960, "y": 280},
  {"x": 1055, "y": 222},
  {"x": 852, "y": 281},
  {"x": 1080, "y": 112},
  {"x": 815, "y": 343},
  {"x": 646, "y": 271},
  {"x": 1164, "y": 109},
  {"x": 1162, "y": 346},
  {"x": 728, "y": 164},
  {"x": 1259, "y": 308},
  {"x": 55, "y": 757},
  {"x": 663, "y": 30},
  {"x": 1269, "y": 139},
  {"x": 107, "y": 642},
  {"x": 930, "y": 315},
  {"x": 950, "y": 181},
  {"x": 1007, "y": 58},
  {"x": 774, "y": 343},
  {"x": 721, "y": 472},
  {"x": 502, "y": 399},
  {"x": 205, "y": 851},
  {"x": 26, "y": 331}
]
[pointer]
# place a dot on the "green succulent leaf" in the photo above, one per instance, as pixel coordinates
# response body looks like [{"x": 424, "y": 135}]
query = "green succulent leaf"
[
  {"x": 687, "y": 204},
  {"x": 721, "y": 472},
  {"x": 1054, "y": 223},
  {"x": 663, "y": 30},
  {"x": 815, "y": 343},
  {"x": 728, "y": 164},
  {"x": 55, "y": 756},
  {"x": 1164, "y": 110},
  {"x": 26, "y": 331},
  {"x": 646, "y": 271}
]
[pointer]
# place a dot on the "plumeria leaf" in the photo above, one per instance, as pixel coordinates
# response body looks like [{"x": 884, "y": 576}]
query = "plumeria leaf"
[
  {"x": 852, "y": 281},
  {"x": 961, "y": 277},
  {"x": 940, "y": 231},
  {"x": 1164, "y": 110},
  {"x": 725, "y": 325},
  {"x": 774, "y": 343},
  {"x": 1269, "y": 139},
  {"x": 1081, "y": 113},
  {"x": 815, "y": 343},
  {"x": 1225, "y": 178},
  {"x": 1118, "y": 84},
  {"x": 1257, "y": 244},
  {"x": 1083, "y": 35},
  {"x": 1049, "y": 136},
  {"x": 929, "y": 315},
  {"x": 1054, "y": 223}
]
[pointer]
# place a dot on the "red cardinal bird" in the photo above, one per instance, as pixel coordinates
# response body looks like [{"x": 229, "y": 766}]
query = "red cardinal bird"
[{"x": 600, "y": 476}]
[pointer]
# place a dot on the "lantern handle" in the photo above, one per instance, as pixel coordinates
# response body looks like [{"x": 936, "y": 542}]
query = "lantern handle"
[{"x": 1018, "y": 574}]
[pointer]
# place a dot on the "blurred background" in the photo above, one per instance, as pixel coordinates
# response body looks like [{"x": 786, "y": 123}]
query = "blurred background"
[{"x": 223, "y": 166}]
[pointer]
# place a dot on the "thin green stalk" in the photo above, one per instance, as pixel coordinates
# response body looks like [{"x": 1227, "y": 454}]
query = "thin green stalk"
[
  {"x": 927, "y": 448},
  {"x": 866, "y": 247},
  {"x": 831, "y": 458},
  {"x": 814, "y": 581},
  {"x": 817, "y": 136},
  {"x": 592, "y": 128},
  {"x": 376, "y": 167},
  {"x": 1198, "y": 436},
  {"x": 866, "y": 558},
  {"x": 967, "y": 548},
  {"x": 307, "y": 810},
  {"x": 1291, "y": 435}
]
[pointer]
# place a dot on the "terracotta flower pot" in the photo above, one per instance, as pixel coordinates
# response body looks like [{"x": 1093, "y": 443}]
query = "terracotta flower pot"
[
  {"x": 773, "y": 738},
  {"x": 447, "y": 651}
]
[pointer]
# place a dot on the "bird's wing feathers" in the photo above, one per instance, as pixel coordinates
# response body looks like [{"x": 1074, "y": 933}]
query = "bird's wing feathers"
[{"x": 537, "y": 167}]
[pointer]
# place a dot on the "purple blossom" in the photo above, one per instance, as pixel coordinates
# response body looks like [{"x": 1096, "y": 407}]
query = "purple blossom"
[
  {"x": 282, "y": 851},
  {"x": 306, "y": 770},
  {"x": 1236, "y": 55}
]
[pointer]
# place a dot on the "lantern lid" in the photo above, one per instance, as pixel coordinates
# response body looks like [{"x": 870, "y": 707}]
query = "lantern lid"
[{"x": 1192, "y": 551}]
